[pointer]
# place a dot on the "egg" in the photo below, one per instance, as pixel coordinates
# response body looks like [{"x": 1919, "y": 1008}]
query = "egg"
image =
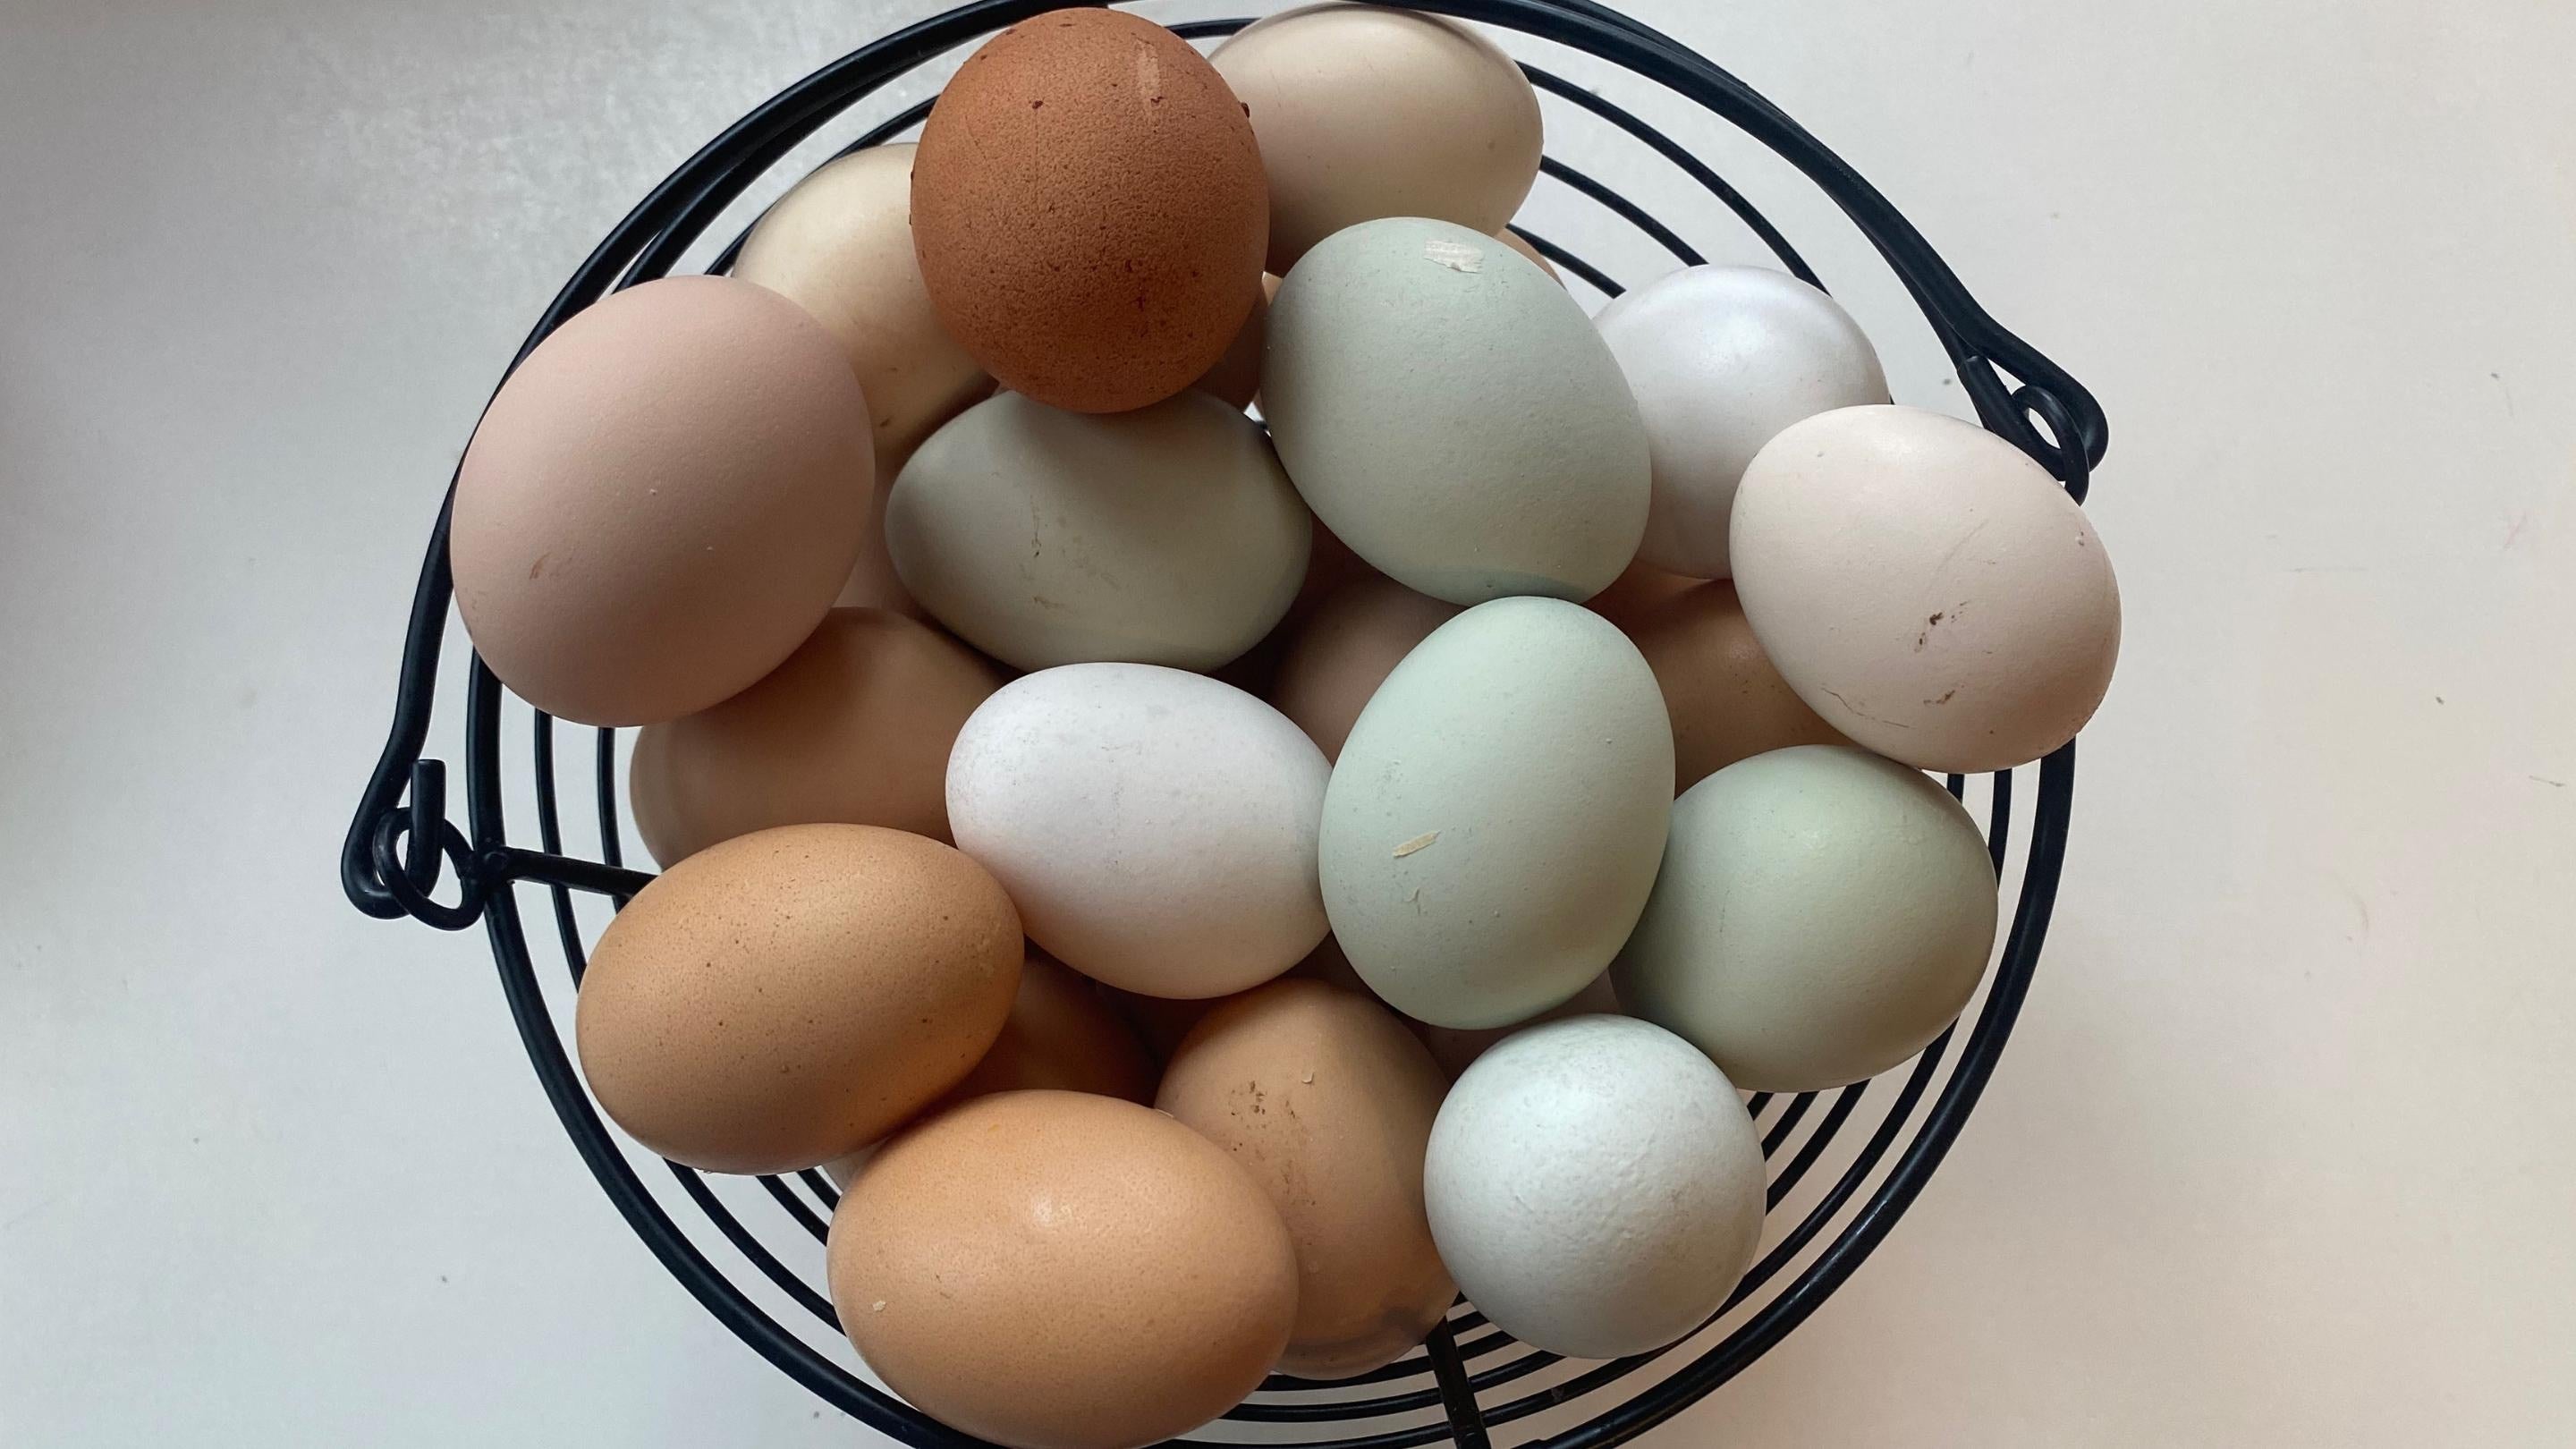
[
  {"x": 1055, "y": 1270},
  {"x": 1327, "y": 1100},
  {"x": 1236, "y": 378},
  {"x": 1521, "y": 244},
  {"x": 1721, "y": 359},
  {"x": 1726, "y": 701},
  {"x": 1366, "y": 111},
  {"x": 1157, "y": 828},
  {"x": 1822, "y": 914},
  {"x": 1925, "y": 587},
  {"x": 1457, "y": 1050},
  {"x": 839, "y": 244},
  {"x": 1168, "y": 535},
  {"x": 1596, "y": 1186},
  {"x": 1340, "y": 652},
  {"x": 1089, "y": 210},
  {"x": 661, "y": 502},
  {"x": 1450, "y": 413},
  {"x": 1496, "y": 817},
  {"x": 786, "y": 997},
  {"x": 854, "y": 727}
]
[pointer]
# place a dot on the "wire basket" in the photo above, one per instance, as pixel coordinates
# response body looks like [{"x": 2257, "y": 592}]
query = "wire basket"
[{"x": 1843, "y": 1165}]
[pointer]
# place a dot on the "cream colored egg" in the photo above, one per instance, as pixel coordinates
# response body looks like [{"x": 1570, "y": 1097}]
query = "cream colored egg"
[
  {"x": 1366, "y": 111},
  {"x": 1925, "y": 587},
  {"x": 1328, "y": 1101}
]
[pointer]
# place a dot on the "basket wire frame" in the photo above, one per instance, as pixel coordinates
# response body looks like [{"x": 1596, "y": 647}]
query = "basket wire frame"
[{"x": 401, "y": 841}]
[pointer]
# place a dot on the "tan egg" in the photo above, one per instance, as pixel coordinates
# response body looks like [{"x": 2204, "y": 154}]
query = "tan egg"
[
  {"x": 855, "y": 727},
  {"x": 1063, "y": 1035},
  {"x": 840, "y": 246},
  {"x": 1160, "y": 1022},
  {"x": 1726, "y": 700},
  {"x": 1366, "y": 111},
  {"x": 1237, "y": 375},
  {"x": 786, "y": 997},
  {"x": 662, "y": 501},
  {"x": 1338, "y": 654},
  {"x": 1055, "y": 1270},
  {"x": 1521, "y": 244},
  {"x": 1088, "y": 208},
  {"x": 1456, "y": 1050},
  {"x": 1329, "y": 1101}
]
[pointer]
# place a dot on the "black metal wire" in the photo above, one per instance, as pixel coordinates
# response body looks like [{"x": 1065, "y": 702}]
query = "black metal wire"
[{"x": 400, "y": 840}]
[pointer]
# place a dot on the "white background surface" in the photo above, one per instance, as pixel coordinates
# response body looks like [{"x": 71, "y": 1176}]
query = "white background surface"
[{"x": 2280, "y": 1155}]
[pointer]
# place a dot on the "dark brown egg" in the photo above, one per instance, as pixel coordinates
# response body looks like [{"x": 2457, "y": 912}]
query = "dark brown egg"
[{"x": 1089, "y": 210}]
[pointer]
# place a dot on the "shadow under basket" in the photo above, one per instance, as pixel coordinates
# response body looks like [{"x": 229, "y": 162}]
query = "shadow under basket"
[{"x": 1843, "y": 1165}]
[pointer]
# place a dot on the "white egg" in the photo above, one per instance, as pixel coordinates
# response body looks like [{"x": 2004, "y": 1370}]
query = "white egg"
[
  {"x": 1595, "y": 1186},
  {"x": 1821, "y": 915},
  {"x": 1925, "y": 587},
  {"x": 1155, "y": 827},
  {"x": 1721, "y": 359},
  {"x": 1495, "y": 817}
]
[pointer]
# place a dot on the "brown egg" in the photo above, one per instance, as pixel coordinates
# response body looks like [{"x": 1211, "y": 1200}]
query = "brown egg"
[
  {"x": 1341, "y": 651},
  {"x": 1237, "y": 375},
  {"x": 1326, "y": 1097},
  {"x": 1055, "y": 1270},
  {"x": 1160, "y": 1022},
  {"x": 786, "y": 997},
  {"x": 1726, "y": 701},
  {"x": 855, "y": 727},
  {"x": 1089, "y": 210},
  {"x": 1519, "y": 243},
  {"x": 662, "y": 501},
  {"x": 1456, "y": 1049}
]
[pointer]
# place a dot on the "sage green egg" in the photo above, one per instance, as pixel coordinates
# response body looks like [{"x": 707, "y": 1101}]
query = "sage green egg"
[
  {"x": 1493, "y": 822},
  {"x": 1167, "y": 535},
  {"x": 1822, "y": 914},
  {"x": 1451, "y": 414}
]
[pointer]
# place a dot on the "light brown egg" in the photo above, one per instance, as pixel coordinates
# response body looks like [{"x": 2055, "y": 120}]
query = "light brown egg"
[
  {"x": 787, "y": 997},
  {"x": 1340, "y": 652},
  {"x": 1726, "y": 700},
  {"x": 1055, "y": 1270},
  {"x": 840, "y": 246},
  {"x": 662, "y": 501},
  {"x": 855, "y": 727},
  {"x": 1329, "y": 1101},
  {"x": 1089, "y": 210},
  {"x": 1160, "y": 1022},
  {"x": 1519, "y": 243},
  {"x": 1062, "y": 1035}
]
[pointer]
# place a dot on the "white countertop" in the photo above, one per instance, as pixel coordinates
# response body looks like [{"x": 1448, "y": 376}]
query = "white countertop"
[{"x": 2280, "y": 1154}]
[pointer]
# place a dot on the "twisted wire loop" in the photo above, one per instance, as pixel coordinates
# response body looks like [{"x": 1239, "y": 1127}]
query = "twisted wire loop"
[{"x": 400, "y": 840}]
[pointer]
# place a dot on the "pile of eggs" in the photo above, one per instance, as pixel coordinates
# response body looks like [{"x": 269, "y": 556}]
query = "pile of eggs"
[{"x": 1214, "y": 889}]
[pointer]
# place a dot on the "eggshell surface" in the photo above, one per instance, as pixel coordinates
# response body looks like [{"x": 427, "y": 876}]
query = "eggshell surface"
[
  {"x": 784, "y": 998},
  {"x": 1457, "y": 1050},
  {"x": 1062, "y": 1035},
  {"x": 854, "y": 727},
  {"x": 1054, "y": 1270},
  {"x": 1168, "y": 535},
  {"x": 1364, "y": 111},
  {"x": 1156, "y": 828},
  {"x": 1726, "y": 700},
  {"x": 1343, "y": 649},
  {"x": 1925, "y": 587},
  {"x": 661, "y": 502},
  {"x": 1720, "y": 360},
  {"x": 1089, "y": 210},
  {"x": 1822, "y": 914},
  {"x": 1596, "y": 1186},
  {"x": 1328, "y": 1101},
  {"x": 1449, "y": 412},
  {"x": 839, "y": 245},
  {"x": 1496, "y": 818}
]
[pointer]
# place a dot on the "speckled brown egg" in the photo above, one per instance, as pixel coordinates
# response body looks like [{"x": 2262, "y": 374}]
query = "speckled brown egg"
[
  {"x": 1055, "y": 1270},
  {"x": 786, "y": 997},
  {"x": 1726, "y": 700},
  {"x": 1326, "y": 1097},
  {"x": 1089, "y": 210},
  {"x": 1343, "y": 649},
  {"x": 662, "y": 501},
  {"x": 854, "y": 727}
]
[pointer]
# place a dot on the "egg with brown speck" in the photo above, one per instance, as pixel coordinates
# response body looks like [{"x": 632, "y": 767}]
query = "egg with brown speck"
[{"x": 1089, "y": 210}]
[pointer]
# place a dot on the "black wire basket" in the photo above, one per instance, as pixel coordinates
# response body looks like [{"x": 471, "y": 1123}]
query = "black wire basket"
[{"x": 1843, "y": 1165}]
